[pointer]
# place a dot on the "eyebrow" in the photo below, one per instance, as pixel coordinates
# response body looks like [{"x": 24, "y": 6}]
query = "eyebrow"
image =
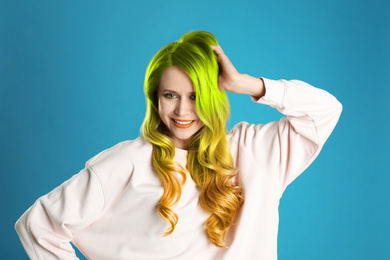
[{"x": 171, "y": 91}]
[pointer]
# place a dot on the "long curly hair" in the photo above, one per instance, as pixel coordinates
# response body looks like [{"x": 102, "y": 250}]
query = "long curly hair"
[{"x": 209, "y": 160}]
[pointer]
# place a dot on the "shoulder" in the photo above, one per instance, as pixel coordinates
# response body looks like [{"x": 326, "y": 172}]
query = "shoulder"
[
  {"x": 244, "y": 132},
  {"x": 112, "y": 170},
  {"x": 253, "y": 140},
  {"x": 123, "y": 154},
  {"x": 116, "y": 166}
]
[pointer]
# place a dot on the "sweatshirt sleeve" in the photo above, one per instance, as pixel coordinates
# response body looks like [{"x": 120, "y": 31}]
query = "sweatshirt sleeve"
[
  {"x": 46, "y": 228},
  {"x": 289, "y": 146}
]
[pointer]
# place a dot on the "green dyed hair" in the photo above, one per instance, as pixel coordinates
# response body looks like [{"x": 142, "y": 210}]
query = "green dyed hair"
[{"x": 209, "y": 160}]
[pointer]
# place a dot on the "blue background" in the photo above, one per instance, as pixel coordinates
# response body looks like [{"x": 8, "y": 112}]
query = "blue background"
[{"x": 71, "y": 80}]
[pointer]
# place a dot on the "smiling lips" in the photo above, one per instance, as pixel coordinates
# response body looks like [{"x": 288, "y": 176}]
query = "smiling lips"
[{"x": 182, "y": 123}]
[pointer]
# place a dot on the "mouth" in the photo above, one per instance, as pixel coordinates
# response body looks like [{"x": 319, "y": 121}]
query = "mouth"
[{"x": 182, "y": 123}]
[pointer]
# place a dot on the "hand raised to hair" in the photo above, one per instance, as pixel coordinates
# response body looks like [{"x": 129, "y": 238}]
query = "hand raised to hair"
[
  {"x": 233, "y": 81},
  {"x": 229, "y": 76}
]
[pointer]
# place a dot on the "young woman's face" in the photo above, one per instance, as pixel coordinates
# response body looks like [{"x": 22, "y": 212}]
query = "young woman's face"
[{"x": 176, "y": 106}]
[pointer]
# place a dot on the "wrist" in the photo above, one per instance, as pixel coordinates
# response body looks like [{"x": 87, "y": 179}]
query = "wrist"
[{"x": 253, "y": 86}]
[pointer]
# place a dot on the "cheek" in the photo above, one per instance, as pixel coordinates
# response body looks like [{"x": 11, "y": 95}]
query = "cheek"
[{"x": 164, "y": 108}]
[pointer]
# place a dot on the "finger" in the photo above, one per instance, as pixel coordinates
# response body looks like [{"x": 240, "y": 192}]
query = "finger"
[
  {"x": 218, "y": 50},
  {"x": 220, "y": 54},
  {"x": 224, "y": 60}
]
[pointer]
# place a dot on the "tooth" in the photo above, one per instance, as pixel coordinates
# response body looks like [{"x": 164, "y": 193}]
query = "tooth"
[{"x": 183, "y": 123}]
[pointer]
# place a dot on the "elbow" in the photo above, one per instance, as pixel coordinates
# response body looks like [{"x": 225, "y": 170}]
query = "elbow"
[
  {"x": 20, "y": 224},
  {"x": 337, "y": 108},
  {"x": 21, "y": 227}
]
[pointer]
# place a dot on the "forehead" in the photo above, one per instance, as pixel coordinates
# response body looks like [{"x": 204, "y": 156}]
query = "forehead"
[{"x": 175, "y": 79}]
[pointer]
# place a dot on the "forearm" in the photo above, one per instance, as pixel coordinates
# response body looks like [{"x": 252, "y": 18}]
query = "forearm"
[
  {"x": 294, "y": 142},
  {"x": 305, "y": 106},
  {"x": 46, "y": 229},
  {"x": 39, "y": 241},
  {"x": 233, "y": 81},
  {"x": 246, "y": 84}
]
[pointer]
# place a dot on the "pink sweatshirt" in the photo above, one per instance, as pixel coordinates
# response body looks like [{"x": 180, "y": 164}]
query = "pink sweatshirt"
[{"x": 108, "y": 210}]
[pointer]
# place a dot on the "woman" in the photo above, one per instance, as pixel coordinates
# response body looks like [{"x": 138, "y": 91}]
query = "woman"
[{"x": 187, "y": 189}]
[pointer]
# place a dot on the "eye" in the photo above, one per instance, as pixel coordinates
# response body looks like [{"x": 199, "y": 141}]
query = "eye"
[
  {"x": 193, "y": 97},
  {"x": 169, "y": 95}
]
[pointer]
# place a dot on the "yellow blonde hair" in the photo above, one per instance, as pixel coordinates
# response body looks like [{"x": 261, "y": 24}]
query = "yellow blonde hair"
[{"x": 209, "y": 160}]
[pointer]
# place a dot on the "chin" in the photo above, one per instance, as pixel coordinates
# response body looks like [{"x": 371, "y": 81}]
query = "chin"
[{"x": 184, "y": 135}]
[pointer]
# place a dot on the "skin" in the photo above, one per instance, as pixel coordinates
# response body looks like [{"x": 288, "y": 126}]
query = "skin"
[
  {"x": 233, "y": 81},
  {"x": 176, "y": 106},
  {"x": 176, "y": 97}
]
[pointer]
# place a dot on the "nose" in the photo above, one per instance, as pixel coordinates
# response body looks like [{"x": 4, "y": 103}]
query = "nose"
[{"x": 183, "y": 107}]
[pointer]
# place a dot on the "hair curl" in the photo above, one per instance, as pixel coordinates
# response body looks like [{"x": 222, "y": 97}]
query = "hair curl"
[{"x": 209, "y": 160}]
